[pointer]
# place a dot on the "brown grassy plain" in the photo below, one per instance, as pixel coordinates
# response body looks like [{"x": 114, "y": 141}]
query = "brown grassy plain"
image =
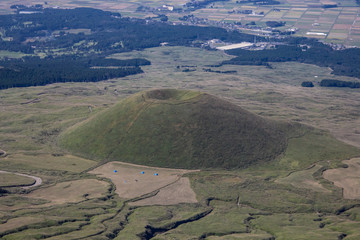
[
  {"x": 178, "y": 192},
  {"x": 71, "y": 191},
  {"x": 18, "y": 222},
  {"x": 130, "y": 183},
  {"x": 347, "y": 178},
  {"x": 49, "y": 162}
]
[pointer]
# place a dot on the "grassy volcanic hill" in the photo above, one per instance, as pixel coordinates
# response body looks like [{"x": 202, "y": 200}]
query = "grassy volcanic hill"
[{"x": 179, "y": 129}]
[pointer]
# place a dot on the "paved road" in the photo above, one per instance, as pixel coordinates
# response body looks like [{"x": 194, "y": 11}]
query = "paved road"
[{"x": 38, "y": 180}]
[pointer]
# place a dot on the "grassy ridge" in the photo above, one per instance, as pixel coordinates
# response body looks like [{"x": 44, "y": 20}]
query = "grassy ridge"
[
  {"x": 315, "y": 146},
  {"x": 181, "y": 129}
]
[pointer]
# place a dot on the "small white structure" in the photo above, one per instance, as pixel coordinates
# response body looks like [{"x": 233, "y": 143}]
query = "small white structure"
[
  {"x": 234, "y": 46},
  {"x": 168, "y": 7},
  {"x": 29, "y": 12},
  {"x": 316, "y": 33}
]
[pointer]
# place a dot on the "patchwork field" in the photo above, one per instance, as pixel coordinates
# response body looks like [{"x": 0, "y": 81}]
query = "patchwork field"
[{"x": 288, "y": 11}]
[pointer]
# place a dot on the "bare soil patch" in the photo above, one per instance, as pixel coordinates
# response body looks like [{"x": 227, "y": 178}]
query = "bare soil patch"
[
  {"x": 178, "y": 192},
  {"x": 346, "y": 178},
  {"x": 131, "y": 182},
  {"x": 71, "y": 191}
]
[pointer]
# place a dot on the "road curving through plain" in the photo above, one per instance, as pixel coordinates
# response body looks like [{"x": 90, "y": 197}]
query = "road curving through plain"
[{"x": 38, "y": 180}]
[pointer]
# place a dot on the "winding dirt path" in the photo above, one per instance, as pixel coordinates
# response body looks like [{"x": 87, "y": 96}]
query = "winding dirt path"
[
  {"x": 2, "y": 153},
  {"x": 38, "y": 180}
]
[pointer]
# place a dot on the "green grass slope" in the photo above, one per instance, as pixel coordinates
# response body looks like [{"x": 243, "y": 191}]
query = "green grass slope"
[
  {"x": 180, "y": 129},
  {"x": 188, "y": 129}
]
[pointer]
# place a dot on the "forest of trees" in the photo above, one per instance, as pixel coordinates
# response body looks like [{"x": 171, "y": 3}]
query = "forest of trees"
[
  {"x": 338, "y": 83},
  {"x": 106, "y": 29},
  {"x": 342, "y": 62},
  {"x": 109, "y": 33},
  {"x": 197, "y": 4},
  {"x": 307, "y": 84},
  {"x": 34, "y": 71},
  {"x": 275, "y": 24}
]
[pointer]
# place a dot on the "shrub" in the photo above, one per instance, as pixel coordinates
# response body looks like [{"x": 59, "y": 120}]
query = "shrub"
[{"x": 307, "y": 84}]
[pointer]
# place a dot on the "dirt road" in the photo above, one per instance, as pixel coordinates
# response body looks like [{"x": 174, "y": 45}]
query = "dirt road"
[{"x": 38, "y": 180}]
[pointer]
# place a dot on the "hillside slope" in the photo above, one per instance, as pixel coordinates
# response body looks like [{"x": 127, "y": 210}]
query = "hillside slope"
[{"x": 179, "y": 129}]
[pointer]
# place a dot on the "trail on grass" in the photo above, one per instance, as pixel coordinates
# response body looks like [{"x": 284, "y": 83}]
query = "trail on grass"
[
  {"x": 2, "y": 153},
  {"x": 38, "y": 180}
]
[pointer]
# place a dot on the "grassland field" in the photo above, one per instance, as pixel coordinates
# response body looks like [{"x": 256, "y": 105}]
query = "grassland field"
[
  {"x": 10, "y": 179},
  {"x": 346, "y": 178},
  {"x": 304, "y": 179},
  {"x": 252, "y": 203}
]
